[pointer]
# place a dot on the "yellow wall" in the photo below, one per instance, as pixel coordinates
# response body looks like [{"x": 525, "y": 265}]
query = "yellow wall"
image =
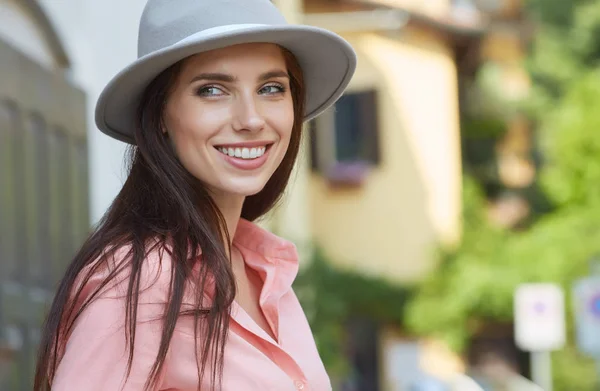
[
  {"x": 388, "y": 226},
  {"x": 291, "y": 9}
]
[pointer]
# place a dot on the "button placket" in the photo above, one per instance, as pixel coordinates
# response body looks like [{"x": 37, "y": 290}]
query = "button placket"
[{"x": 299, "y": 385}]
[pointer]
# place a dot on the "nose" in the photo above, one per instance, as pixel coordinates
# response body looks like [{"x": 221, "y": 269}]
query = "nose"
[{"x": 247, "y": 115}]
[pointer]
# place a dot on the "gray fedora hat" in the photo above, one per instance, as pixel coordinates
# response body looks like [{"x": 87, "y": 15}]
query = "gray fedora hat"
[{"x": 171, "y": 30}]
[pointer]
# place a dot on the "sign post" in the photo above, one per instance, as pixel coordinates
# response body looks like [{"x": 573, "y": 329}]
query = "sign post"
[{"x": 539, "y": 311}]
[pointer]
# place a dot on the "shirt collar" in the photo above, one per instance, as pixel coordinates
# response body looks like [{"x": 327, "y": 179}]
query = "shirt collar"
[{"x": 279, "y": 252}]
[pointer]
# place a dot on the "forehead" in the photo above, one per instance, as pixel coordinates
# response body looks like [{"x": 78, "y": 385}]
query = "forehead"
[{"x": 233, "y": 59}]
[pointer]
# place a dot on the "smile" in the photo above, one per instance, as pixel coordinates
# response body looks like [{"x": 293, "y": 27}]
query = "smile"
[
  {"x": 250, "y": 156},
  {"x": 243, "y": 153}
]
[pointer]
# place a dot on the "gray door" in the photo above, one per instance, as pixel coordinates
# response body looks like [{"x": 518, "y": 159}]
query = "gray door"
[{"x": 43, "y": 202}]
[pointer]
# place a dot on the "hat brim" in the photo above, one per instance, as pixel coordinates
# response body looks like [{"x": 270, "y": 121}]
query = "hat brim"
[{"x": 327, "y": 61}]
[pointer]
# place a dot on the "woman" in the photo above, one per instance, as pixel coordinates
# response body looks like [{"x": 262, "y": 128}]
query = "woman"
[{"x": 177, "y": 289}]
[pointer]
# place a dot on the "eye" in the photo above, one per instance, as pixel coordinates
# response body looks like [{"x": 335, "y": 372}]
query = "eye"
[
  {"x": 272, "y": 89},
  {"x": 209, "y": 91}
]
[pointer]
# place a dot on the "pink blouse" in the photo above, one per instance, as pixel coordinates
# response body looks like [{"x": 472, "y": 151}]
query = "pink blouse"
[{"x": 95, "y": 356}]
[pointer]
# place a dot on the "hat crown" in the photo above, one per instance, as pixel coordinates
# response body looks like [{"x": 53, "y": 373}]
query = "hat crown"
[{"x": 166, "y": 22}]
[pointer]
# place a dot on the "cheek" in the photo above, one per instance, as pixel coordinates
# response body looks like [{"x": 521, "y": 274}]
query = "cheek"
[
  {"x": 192, "y": 124},
  {"x": 286, "y": 124},
  {"x": 284, "y": 130}
]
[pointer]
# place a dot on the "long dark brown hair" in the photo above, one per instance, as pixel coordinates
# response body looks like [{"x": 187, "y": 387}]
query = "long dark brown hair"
[{"x": 162, "y": 203}]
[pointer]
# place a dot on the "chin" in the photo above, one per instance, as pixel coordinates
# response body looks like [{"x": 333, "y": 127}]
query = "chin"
[
  {"x": 250, "y": 191},
  {"x": 245, "y": 189}
]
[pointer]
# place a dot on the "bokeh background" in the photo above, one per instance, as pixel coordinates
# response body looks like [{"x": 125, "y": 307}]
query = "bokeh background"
[{"x": 463, "y": 161}]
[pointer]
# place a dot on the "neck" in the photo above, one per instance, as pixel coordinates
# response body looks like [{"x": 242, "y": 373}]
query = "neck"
[{"x": 230, "y": 206}]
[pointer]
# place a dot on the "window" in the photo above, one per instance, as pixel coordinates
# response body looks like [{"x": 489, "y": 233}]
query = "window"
[{"x": 345, "y": 139}]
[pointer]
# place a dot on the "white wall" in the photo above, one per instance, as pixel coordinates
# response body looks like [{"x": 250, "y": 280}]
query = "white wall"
[{"x": 100, "y": 37}]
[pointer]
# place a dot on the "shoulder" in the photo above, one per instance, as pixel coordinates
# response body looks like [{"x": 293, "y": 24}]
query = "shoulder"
[
  {"x": 98, "y": 341},
  {"x": 110, "y": 275}
]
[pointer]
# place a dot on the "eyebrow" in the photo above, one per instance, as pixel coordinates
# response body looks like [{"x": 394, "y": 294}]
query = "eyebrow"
[
  {"x": 226, "y": 78},
  {"x": 273, "y": 75}
]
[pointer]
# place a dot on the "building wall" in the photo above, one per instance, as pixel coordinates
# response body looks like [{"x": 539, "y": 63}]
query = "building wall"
[
  {"x": 388, "y": 226},
  {"x": 20, "y": 30}
]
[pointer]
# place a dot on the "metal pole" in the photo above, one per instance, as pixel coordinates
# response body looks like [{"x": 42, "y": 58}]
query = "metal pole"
[{"x": 541, "y": 369}]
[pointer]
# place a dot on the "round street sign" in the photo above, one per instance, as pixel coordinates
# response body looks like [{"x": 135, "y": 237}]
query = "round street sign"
[
  {"x": 586, "y": 304},
  {"x": 594, "y": 306}
]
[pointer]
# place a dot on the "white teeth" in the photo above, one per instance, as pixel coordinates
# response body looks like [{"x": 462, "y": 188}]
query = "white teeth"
[{"x": 243, "y": 153}]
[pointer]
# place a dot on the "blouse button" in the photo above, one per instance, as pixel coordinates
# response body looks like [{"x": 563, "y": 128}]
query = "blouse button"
[{"x": 299, "y": 384}]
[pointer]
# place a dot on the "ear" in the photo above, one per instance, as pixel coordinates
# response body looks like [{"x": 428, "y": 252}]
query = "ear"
[{"x": 164, "y": 128}]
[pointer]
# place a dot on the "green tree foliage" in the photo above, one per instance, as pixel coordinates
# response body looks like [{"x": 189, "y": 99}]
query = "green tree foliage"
[
  {"x": 475, "y": 282},
  {"x": 567, "y": 44},
  {"x": 572, "y": 141}
]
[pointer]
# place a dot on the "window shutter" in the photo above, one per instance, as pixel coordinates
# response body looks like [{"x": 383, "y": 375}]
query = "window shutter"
[
  {"x": 347, "y": 128},
  {"x": 369, "y": 127}
]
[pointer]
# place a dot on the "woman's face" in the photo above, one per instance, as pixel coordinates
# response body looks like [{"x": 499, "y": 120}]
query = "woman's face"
[{"x": 230, "y": 116}]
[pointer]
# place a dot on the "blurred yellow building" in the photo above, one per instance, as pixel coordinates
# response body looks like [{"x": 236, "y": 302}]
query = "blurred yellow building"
[
  {"x": 380, "y": 187},
  {"x": 379, "y": 197}
]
